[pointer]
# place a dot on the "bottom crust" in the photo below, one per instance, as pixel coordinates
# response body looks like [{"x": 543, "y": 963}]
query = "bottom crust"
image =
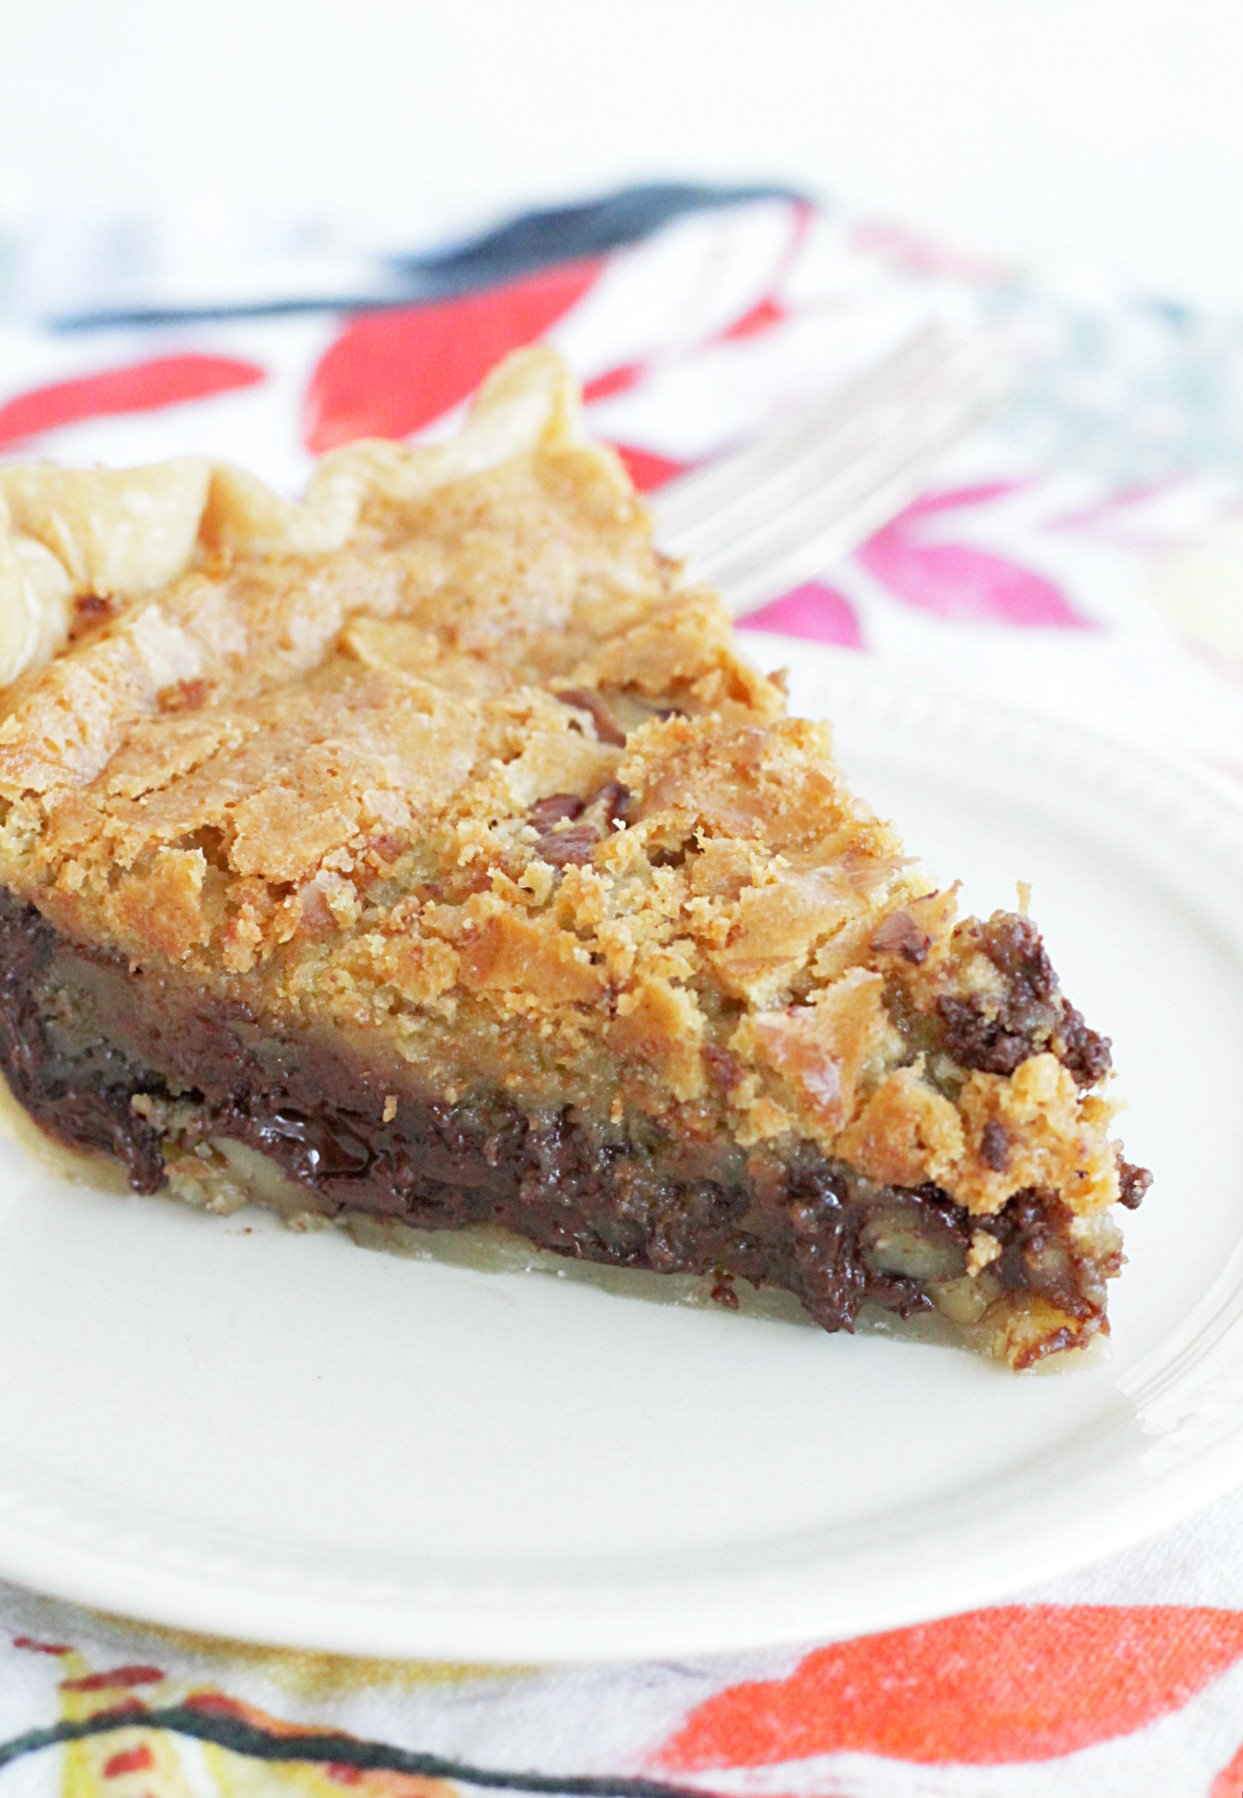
[{"x": 204, "y": 1100}]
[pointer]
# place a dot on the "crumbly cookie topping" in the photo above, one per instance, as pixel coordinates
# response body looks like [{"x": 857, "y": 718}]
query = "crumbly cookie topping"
[{"x": 449, "y": 754}]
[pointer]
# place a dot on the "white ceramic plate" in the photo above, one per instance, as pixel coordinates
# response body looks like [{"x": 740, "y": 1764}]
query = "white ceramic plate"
[{"x": 221, "y": 1424}]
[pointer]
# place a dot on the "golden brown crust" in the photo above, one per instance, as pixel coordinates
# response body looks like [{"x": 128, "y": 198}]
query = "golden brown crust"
[{"x": 307, "y": 753}]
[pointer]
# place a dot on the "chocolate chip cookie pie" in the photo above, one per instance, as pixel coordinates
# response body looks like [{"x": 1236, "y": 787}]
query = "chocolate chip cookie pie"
[{"x": 425, "y": 851}]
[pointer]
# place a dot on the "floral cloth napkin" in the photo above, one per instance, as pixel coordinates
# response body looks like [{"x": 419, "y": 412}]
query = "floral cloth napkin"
[{"x": 1084, "y": 553}]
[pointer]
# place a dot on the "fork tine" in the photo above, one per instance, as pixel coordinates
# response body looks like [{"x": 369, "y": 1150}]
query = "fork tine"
[
  {"x": 814, "y": 471},
  {"x": 707, "y": 492},
  {"x": 819, "y": 492},
  {"x": 779, "y": 510},
  {"x": 809, "y": 548}
]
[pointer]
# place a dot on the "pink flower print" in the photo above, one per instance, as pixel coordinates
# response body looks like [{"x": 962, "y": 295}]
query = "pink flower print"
[
  {"x": 812, "y": 610},
  {"x": 959, "y": 582}
]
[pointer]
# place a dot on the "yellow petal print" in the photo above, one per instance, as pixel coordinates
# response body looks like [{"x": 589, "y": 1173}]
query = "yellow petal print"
[
  {"x": 123, "y": 1763},
  {"x": 1200, "y": 588}
]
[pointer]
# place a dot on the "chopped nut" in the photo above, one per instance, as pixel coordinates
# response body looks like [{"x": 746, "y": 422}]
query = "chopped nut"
[
  {"x": 984, "y": 1249},
  {"x": 183, "y": 695},
  {"x": 556, "y": 809},
  {"x": 572, "y": 844},
  {"x": 611, "y": 801},
  {"x": 584, "y": 700}
]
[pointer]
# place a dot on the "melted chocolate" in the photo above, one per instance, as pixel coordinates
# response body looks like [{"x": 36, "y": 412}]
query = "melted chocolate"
[
  {"x": 1031, "y": 1016},
  {"x": 81, "y": 1037}
]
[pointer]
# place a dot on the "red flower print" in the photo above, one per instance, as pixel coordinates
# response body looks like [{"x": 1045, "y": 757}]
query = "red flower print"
[
  {"x": 138, "y": 387},
  {"x": 113, "y": 1677},
  {"x": 390, "y": 373},
  {"x": 762, "y": 317},
  {"x": 646, "y": 469},
  {"x": 957, "y": 581},
  {"x": 1229, "y": 1782},
  {"x": 129, "y": 1760},
  {"x": 1017, "y": 1683},
  {"x": 613, "y": 381}
]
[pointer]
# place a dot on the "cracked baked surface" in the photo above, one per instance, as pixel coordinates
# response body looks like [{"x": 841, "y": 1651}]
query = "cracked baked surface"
[{"x": 431, "y": 840}]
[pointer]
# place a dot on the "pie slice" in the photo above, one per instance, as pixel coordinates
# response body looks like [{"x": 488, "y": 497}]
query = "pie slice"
[{"x": 425, "y": 852}]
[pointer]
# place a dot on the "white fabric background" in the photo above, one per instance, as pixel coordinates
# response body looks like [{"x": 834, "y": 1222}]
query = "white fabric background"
[{"x": 1104, "y": 129}]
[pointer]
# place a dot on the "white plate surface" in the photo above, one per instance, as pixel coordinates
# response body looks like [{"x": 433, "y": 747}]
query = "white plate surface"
[{"x": 221, "y": 1424}]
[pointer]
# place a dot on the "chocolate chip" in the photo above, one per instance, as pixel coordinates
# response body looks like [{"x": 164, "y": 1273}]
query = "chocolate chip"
[
  {"x": 995, "y": 1146},
  {"x": 725, "y": 1069},
  {"x": 325, "y": 1147},
  {"x": 1083, "y": 1050},
  {"x": 723, "y": 1293},
  {"x": 997, "y": 1034},
  {"x": 978, "y": 1041},
  {"x": 1133, "y": 1183},
  {"x": 1014, "y": 946},
  {"x": 1036, "y": 1251}
]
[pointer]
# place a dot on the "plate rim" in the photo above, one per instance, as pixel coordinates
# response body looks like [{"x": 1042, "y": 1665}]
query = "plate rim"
[{"x": 698, "y": 1614}]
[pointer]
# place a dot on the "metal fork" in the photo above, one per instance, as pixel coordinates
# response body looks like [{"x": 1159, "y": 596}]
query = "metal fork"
[{"x": 768, "y": 516}]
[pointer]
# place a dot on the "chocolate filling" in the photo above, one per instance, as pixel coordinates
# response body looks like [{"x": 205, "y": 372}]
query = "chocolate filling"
[
  {"x": 82, "y": 1037},
  {"x": 995, "y": 1035}
]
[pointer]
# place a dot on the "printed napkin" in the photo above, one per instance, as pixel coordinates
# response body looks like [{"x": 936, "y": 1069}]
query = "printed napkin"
[{"x": 1084, "y": 553}]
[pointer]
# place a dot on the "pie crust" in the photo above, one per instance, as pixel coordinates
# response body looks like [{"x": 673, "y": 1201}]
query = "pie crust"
[{"x": 426, "y": 848}]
